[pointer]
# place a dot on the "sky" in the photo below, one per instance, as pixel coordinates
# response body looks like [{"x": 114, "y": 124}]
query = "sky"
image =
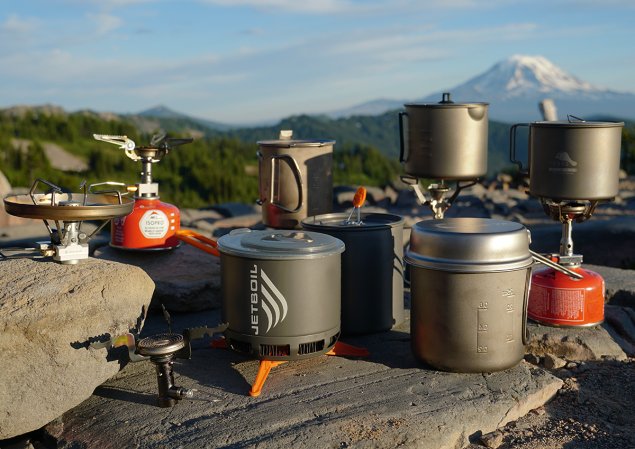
[{"x": 249, "y": 61}]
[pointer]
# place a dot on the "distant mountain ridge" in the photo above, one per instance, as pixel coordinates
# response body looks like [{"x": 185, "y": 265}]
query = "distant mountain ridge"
[{"x": 515, "y": 86}]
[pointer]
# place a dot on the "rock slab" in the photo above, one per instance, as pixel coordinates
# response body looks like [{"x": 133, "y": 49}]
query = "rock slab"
[
  {"x": 48, "y": 314},
  {"x": 186, "y": 278},
  {"x": 387, "y": 400}
]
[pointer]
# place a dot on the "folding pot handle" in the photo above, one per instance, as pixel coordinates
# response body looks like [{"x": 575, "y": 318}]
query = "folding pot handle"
[
  {"x": 260, "y": 201},
  {"x": 512, "y": 147},
  {"x": 402, "y": 139},
  {"x": 293, "y": 165},
  {"x": 199, "y": 241},
  {"x": 525, "y": 331}
]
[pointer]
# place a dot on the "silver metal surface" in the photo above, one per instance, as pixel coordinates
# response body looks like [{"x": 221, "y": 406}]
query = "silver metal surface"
[
  {"x": 279, "y": 244},
  {"x": 446, "y": 140},
  {"x": 295, "y": 180},
  {"x": 46, "y": 207},
  {"x": 469, "y": 245},
  {"x": 573, "y": 160}
]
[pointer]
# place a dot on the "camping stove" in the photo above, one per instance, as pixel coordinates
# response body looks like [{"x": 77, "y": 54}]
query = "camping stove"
[
  {"x": 153, "y": 224},
  {"x": 557, "y": 299},
  {"x": 68, "y": 243},
  {"x": 438, "y": 201},
  {"x": 162, "y": 350}
]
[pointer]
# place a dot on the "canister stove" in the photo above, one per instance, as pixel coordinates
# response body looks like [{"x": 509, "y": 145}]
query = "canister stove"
[
  {"x": 68, "y": 242},
  {"x": 556, "y": 299},
  {"x": 152, "y": 225}
]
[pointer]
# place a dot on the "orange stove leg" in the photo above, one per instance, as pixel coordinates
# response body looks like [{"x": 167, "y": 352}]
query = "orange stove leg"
[
  {"x": 263, "y": 372},
  {"x": 342, "y": 348}
]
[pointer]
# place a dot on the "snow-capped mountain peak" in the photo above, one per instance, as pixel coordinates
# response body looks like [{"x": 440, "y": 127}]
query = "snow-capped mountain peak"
[
  {"x": 515, "y": 86},
  {"x": 520, "y": 75}
]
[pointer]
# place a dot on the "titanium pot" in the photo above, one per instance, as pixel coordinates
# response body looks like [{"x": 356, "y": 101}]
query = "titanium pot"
[
  {"x": 572, "y": 160},
  {"x": 469, "y": 284},
  {"x": 280, "y": 292},
  {"x": 295, "y": 179},
  {"x": 444, "y": 140},
  {"x": 372, "y": 269}
]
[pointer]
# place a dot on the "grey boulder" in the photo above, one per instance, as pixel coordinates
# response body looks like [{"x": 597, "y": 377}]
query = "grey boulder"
[{"x": 48, "y": 314}]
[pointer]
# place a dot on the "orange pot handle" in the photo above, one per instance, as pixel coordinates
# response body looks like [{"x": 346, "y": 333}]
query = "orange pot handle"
[{"x": 199, "y": 241}]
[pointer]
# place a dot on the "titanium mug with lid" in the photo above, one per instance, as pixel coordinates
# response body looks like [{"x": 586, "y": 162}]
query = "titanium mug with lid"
[
  {"x": 295, "y": 179},
  {"x": 573, "y": 159},
  {"x": 469, "y": 285},
  {"x": 444, "y": 140}
]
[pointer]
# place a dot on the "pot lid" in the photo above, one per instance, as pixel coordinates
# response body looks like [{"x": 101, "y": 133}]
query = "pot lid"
[
  {"x": 279, "y": 244},
  {"x": 575, "y": 124},
  {"x": 286, "y": 141},
  {"x": 469, "y": 245},
  {"x": 445, "y": 102},
  {"x": 338, "y": 222}
]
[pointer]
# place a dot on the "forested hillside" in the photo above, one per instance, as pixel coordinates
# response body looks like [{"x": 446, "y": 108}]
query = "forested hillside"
[{"x": 219, "y": 166}]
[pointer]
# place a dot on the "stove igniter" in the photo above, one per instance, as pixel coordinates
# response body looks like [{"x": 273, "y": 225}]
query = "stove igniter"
[{"x": 160, "y": 349}]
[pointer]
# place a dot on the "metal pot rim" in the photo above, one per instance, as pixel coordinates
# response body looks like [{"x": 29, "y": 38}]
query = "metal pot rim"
[
  {"x": 575, "y": 125},
  {"x": 446, "y": 105},
  {"x": 336, "y": 222},
  {"x": 296, "y": 143}
]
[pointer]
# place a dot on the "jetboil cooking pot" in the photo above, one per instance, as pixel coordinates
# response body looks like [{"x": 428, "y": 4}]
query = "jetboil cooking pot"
[
  {"x": 295, "y": 179},
  {"x": 469, "y": 283},
  {"x": 281, "y": 292},
  {"x": 573, "y": 159},
  {"x": 444, "y": 140},
  {"x": 372, "y": 269}
]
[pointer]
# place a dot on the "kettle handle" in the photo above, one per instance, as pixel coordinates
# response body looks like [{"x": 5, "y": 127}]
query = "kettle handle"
[
  {"x": 298, "y": 180},
  {"x": 402, "y": 140},
  {"x": 199, "y": 241},
  {"x": 512, "y": 147}
]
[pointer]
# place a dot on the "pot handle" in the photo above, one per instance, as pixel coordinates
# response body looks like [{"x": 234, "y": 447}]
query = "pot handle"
[
  {"x": 298, "y": 180},
  {"x": 199, "y": 241},
  {"x": 402, "y": 140},
  {"x": 260, "y": 201},
  {"x": 525, "y": 331},
  {"x": 556, "y": 266},
  {"x": 512, "y": 147}
]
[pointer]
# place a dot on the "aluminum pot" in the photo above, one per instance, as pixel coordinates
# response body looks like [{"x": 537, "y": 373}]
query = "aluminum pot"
[
  {"x": 281, "y": 292},
  {"x": 469, "y": 284},
  {"x": 572, "y": 160},
  {"x": 444, "y": 140},
  {"x": 372, "y": 269},
  {"x": 295, "y": 179}
]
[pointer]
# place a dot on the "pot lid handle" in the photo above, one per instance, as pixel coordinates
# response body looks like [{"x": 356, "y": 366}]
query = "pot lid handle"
[
  {"x": 445, "y": 98},
  {"x": 573, "y": 119}
]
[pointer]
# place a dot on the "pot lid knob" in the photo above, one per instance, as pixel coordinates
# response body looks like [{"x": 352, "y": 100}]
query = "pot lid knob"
[
  {"x": 445, "y": 98},
  {"x": 286, "y": 134}
]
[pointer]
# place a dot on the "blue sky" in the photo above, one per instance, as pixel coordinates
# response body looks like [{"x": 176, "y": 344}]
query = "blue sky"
[{"x": 241, "y": 61}]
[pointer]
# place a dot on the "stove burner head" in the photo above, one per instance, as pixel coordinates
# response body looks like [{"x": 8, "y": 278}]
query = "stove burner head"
[
  {"x": 69, "y": 244},
  {"x": 568, "y": 210},
  {"x": 161, "y": 345},
  {"x": 161, "y": 349}
]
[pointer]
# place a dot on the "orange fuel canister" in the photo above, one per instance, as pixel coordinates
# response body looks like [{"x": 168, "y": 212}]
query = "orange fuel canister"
[
  {"x": 556, "y": 299},
  {"x": 152, "y": 225}
]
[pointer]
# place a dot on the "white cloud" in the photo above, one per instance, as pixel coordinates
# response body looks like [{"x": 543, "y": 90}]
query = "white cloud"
[
  {"x": 105, "y": 23},
  {"x": 17, "y": 24},
  {"x": 296, "y": 6}
]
